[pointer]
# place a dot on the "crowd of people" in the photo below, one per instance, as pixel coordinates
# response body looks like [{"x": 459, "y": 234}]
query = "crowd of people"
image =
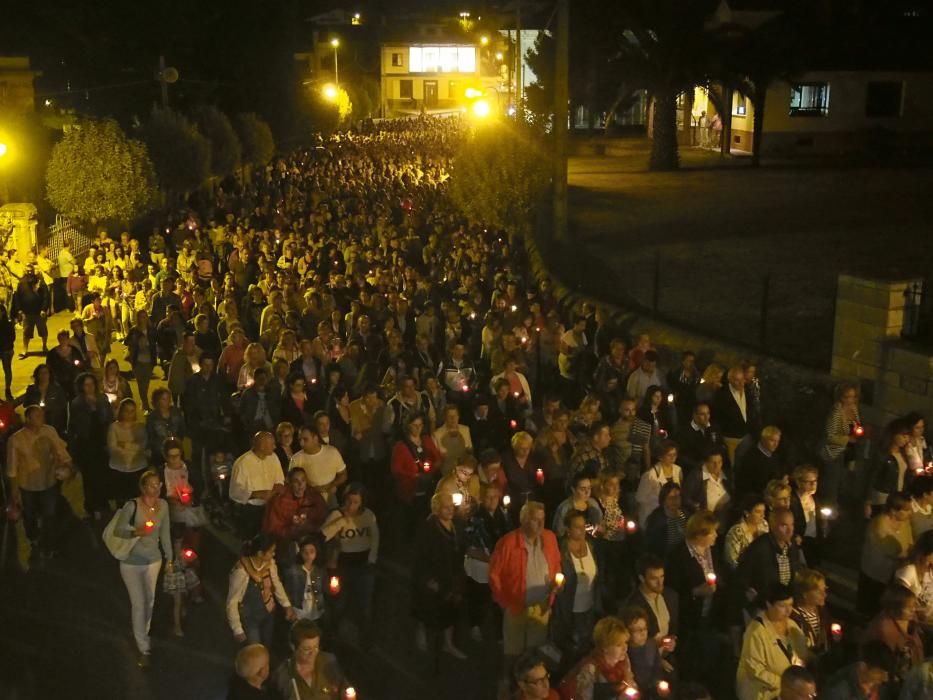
[{"x": 354, "y": 373}]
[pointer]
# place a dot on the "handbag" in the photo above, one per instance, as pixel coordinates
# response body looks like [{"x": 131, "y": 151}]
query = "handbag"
[{"x": 120, "y": 547}]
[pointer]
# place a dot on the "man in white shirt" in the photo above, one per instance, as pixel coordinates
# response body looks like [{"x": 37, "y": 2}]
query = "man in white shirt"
[
  {"x": 255, "y": 474},
  {"x": 643, "y": 377},
  {"x": 323, "y": 464}
]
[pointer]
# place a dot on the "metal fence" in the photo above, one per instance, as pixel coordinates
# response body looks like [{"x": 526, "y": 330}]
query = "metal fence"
[{"x": 59, "y": 231}]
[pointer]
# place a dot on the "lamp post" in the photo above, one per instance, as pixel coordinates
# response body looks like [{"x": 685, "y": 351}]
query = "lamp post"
[{"x": 335, "y": 42}]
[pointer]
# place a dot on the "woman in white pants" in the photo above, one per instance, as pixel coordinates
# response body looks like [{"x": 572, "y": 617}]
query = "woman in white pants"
[{"x": 147, "y": 518}]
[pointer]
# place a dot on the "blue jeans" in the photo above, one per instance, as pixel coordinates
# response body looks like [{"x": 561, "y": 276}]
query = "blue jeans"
[
  {"x": 259, "y": 630},
  {"x": 40, "y": 515}
]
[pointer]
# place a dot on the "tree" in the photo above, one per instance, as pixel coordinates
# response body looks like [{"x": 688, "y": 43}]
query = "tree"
[
  {"x": 255, "y": 138},
  {"x": 182, "y": 156},
  {"x": 665, "y": 50},
  {"x": 96, "y": 173},
  {"x": 500, "y": 176},
  {"x": 225, "y": 146}
]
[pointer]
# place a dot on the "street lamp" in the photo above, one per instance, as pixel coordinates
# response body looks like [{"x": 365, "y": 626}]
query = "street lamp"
[
  {"x": 2, "y": 150},
  {"x": 481, "y": 108},
  {"x": 335, "y": 42},
  {"x": 484, "y": 40},
  {"x": 330, "y": 92}
]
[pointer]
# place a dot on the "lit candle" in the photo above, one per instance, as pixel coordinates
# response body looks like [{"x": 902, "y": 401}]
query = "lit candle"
[
  {"x": 506, "y": 500},
  {"x": 2, "y": 424},
  {"x": 350, "y": 693},
  {"x": 664, "y": 689},
  {"x": 42, "y": 403},
  {"x": 514, "y": 308},
  {"x": 77, "y": 362},
  {"x": 334, "y": 585},
  {"x": 464, "y": 388},
  {"x": 670, "y": 398},
  {"x": 222, "y": 476},
  {"x": 189, "y": 554},
  {"x": 631, "y": 526},
  {"x": 835, "y": 629},
  {"x": 539, "y": 475},
  {"x": 513, "y": 424},
  {"x": 185, "y": 497},
  {"x": 314, "y": 380},
  {"x": 662, "y": 432},
  {"x": 858, "y": 430},
  {"x": 473, "y": 316},
  {"x": 516, "y": 394},
  {"x": 826, "y": 512},
  {"x": 711, "y": 579},
  {"x": 149, "y": 524},
  {"x": 426, "y": 466},
  {"x": 631, "y": 692},
  {"x": 920, "y": 471},
  {"x": 559, "y": 579},
  {"x": 458, "y": 499}
]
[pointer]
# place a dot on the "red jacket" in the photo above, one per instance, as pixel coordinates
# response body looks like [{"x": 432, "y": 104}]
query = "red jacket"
[
  {"x": 407, "y": 471},
  {"x": 509, "y": 564},
  {"x": 283, "y": 507}
]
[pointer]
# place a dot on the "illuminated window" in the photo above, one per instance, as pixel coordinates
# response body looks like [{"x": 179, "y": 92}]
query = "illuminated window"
[
  {"x": 442, "y": 59},
  {"x": 809, "y": 100},
  {"x": 397, "y": 60},
  {"x": 741, "y": 105}
]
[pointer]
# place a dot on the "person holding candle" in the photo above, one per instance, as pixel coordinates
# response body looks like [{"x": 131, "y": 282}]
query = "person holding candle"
[
  {"x": 649, "y": 487},
  {"x": 808, "y": 530},
  {"x": 691, "y": 572},
  {"x": 488, "y": 523},
  {"x": 50, "y": 395},
  {"x": 917, "y": 577},
  {"x": 414, "y": 465},
  {"x": 581, "y": 501},
  {"x": 253, "y": 591},
  {"x": 305, "y": 580},
  {"x": 145, "y": 518},
  {"x": 887, "y": 542},
  {"x": 770, "y": 559},
  {"x": 164, "y": 421},
  {"x": 129, "y": 452},
  {"x": 356, "y": 531},
  {"x": 839, "y": 441},
  {"x": 579, "y": 600},
  {"x": 113, "y": 385},
  {"x": 606, "y": 670},
  {"x": 649, "y": 427},
  {"x": 65, "y": 362},
  {"x": 772, "y": 642},
  {"x": 524, "y": 471},
  {"x": 438, "y": 575},
  {"x": 523, "y": 572},
  {"x": 310, "y": 674},
  {"x": 185, "y": 362},
  {"x": 919, "y": 453},
  {"x": 660, "y": 603},
  {"x": 921, "y": 505},
  {"x": 810, "y": 612},
  {"x": 89, "y": 419},
  {"x": 644, "y": 653},
  {"x": 890, "y": 471},
  {"x": 293, "y": 511}
]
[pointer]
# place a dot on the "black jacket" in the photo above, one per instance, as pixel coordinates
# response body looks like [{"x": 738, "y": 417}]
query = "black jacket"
[
  {"x": 683, "y": 574},
  {"x": 694, "y": 445},
  {"x": 728, "y": 416},
  {"x": 562, "y": 626},
  {"x": 755, "y": 470},
  {"x": 758, "y": 567},
  {"x": 671, "y": 599}
]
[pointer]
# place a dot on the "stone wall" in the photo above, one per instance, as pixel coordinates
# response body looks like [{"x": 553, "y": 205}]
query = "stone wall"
[{"x": 895, "y": 376}]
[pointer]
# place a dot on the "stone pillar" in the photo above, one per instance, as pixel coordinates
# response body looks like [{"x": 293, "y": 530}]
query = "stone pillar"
[
  {"x": 869, "y": 317},
  {"x": 22, "y": 217}
]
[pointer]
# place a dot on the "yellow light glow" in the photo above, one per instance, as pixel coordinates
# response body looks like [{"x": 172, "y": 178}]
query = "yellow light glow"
[
  {"x": 330, "y": 92},
  {"x": 481, "y": 109},
  {"x": 484, "y": 40},
  {"x": 2, "y": 150},
  {"x": 335, "y": 42},
  {"x": 498, "y": 55},
  {"x": 472, "y": 93}
]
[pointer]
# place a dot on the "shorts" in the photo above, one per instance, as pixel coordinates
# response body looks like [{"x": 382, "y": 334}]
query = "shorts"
[{"x": 34, "y": 322}]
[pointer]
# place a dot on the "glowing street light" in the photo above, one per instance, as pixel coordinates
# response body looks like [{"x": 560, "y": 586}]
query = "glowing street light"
[
  {"x": 481, "y": 108},
  {"x": 499, "y": 55},
  {"x": 335, "y": 42},
  {"x": 484, "y": 40},
  {"x": 330, "y": 92},
  {"x": 2, "y": 150}
]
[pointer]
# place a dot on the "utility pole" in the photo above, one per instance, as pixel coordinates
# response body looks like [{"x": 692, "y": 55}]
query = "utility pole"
[
  {"x": 561, "y": 115},
  {"x": 519, "y": 87},
  {"x": 162, "y": 82}
]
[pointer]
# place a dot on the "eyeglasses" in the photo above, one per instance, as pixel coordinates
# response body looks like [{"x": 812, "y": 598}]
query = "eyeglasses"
[{"x": 538, "y": 681}]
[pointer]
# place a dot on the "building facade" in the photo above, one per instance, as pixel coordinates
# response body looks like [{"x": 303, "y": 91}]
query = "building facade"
[{"x": 17, "y": 94}]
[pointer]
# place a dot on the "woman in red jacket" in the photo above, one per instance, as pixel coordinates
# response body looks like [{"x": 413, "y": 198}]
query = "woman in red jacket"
[
  {"x": 606, "y": 667},
  {"x": 415, "y": 466}
]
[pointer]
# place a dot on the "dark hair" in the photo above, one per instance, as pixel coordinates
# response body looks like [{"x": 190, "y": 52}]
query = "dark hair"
[
  {"x": 891, "y": 430},
  {"x": 572, "y": 515},
  {"x": 877, "y": 654},
  {"x": 650, "y": 355},
  {"x": 920, "y": 486},
  {"x": 644, "y": 408},
  {"x": 262, "y": 542},
  {"x": 912, "y": 418},
  {"x": 596, "y": 428},
  {"x": 923, "y": 547},
  {"x": 489, "y": 456},
  {"x": 39, "y": 367},
  {"x": 295, "y": 470},
  {"x": 81, "y": 378},
  {"x": 529, "y": 660},
  {"x": 796, "y": 674},
  {"x": 666, "y": 491},
  {"x": 899, "y": 500},
  {"x": 302, "y": 630},
  {"x": 778, "y": 591},
  {"x": 260, "y": 372},
  {"x": 894, "y": 599},
  {"x": 316, "y": 539},
  {"x": 632, "y": 613},
  {"x": 648, "y": 562},
  {"x": 171, "y": 443},
  {"x": 750, "y": 500},
  {"x": 354, "y": 488}
]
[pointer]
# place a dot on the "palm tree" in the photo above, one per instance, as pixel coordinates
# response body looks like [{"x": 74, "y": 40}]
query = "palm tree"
[{"x": 666, "y": 49}]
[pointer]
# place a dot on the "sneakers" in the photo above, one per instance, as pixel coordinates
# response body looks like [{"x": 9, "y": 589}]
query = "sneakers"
[{"x": 144, "y": 661}]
